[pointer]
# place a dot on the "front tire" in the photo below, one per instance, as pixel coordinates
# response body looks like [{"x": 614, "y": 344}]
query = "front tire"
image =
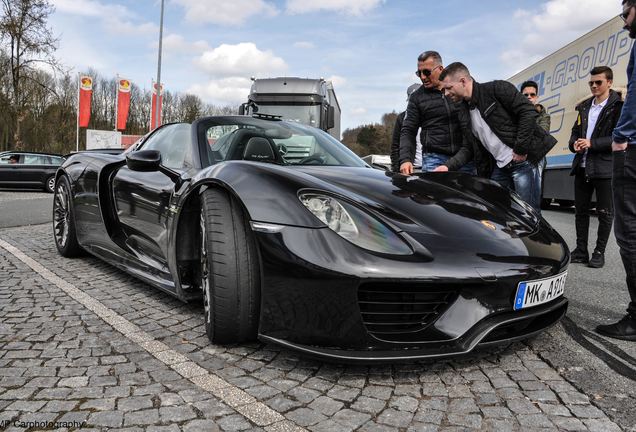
[
  {"x": 230, "y": 277},
  {"x": 64, "y": 220}
]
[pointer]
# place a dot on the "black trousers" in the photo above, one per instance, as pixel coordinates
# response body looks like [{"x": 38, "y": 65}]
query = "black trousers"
[
  {"x": 624, "y": 187},
  {"x": 584, "y": 187}
]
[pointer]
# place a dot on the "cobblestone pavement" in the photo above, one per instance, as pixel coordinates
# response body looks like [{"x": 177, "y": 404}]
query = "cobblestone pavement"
[{"x": 83, "y": 345}]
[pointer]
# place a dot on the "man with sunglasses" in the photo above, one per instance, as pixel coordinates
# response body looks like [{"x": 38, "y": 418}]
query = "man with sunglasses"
[
  {"x": 502, "y": 134},
  {"x": 624, "y": 187},
  {"x": 591, "y": 140},
  {"x": 433, "y": 115},
  {"x": 530, "y": 89}
]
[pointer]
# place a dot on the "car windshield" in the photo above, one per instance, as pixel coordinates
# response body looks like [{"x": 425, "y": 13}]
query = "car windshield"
[{"x": 267, "y": 141}]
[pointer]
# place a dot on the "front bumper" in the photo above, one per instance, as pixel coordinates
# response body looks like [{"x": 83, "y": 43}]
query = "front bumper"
[{"x": 313, "y": 279}]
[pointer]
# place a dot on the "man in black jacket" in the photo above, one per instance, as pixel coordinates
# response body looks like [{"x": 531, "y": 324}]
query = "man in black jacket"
[
  {"x": 501, "y": 132},
  {"x": 397, "y": 131},
  {"x": 433, "y": 115},
  {"x": 591, "y": 140}
]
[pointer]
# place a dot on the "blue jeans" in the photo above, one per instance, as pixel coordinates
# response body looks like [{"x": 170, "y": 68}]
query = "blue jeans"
[
  {"x": 523, "y": 178},
  {"x": 430, "y": 161}
]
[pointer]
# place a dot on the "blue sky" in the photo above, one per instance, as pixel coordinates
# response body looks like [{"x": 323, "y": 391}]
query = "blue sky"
[{"x": 367, "y": 47}]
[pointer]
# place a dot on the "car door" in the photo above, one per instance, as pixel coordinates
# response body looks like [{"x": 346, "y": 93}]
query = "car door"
[
  {"x": 142, "y": 199},
  {"x": 33, "y": 169},
  {"x": 10, "y": 169}
]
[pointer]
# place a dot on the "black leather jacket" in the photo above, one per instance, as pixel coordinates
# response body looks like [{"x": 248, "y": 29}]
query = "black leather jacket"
[
  {"x": 511, "y": 117},
  {"x": 395, "y": 142},
  {"x": 438, "y": 117},
  {"x": 598, "y": 163}
]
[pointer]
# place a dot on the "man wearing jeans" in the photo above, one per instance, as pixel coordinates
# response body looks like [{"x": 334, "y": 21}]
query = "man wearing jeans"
[
  {"x": 431, "y": 115},
  {"x": 501, "y": 130},
  {"x": 624, "y": 187}
]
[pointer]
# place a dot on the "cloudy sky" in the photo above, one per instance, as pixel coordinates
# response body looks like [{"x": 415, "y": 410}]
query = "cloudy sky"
[{"x": 368, "y": 48}]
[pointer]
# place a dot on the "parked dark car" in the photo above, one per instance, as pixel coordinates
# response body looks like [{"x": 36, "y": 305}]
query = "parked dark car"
[
  {"x": 29, "y": 169},
  {"x": 288, "y": 236}
]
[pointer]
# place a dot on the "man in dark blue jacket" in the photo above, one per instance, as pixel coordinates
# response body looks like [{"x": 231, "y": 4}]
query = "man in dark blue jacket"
[
  {"x": 624, "y": 187},
  {"x": 501, "y": 133}
]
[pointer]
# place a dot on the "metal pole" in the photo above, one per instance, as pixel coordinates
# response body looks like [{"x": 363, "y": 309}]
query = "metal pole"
[
  {"x": 157, "y": 107},
  {"x": 116, "y": 99},
  {"x": 78, "y": 113}
]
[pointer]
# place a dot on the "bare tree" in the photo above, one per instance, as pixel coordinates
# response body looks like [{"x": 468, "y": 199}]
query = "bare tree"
[{"x": 29, "y": 42}]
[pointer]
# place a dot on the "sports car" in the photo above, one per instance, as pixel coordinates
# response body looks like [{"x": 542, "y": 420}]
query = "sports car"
[{"x": 289, "y": 237}]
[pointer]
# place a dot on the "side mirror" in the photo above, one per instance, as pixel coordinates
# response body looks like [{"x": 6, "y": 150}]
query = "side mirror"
[
  {"x": 150, "y": 161},
  {"x": 144, "y": 160},
  {"x": 331, "y": 117}
]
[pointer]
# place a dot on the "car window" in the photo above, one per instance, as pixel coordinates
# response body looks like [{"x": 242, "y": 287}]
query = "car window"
[
  {"x": 9, "y": 158},
  {"x": 30, "y": 159},
  {"x": 284, "y": 143},
  {"x": 173, "y": 142},
  {"x": 55, "y": 160}
]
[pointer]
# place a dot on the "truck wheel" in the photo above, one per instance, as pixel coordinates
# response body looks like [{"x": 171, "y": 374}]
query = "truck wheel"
[
  {"x": 229, "y": 270},
  {"x": 64, "y": 220}
]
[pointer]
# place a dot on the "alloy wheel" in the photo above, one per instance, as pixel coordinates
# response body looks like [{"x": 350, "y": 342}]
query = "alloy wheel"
[{"x": 61, "y": 215}]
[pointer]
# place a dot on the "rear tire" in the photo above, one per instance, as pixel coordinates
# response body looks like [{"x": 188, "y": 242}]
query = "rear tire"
[
  {"x": 64, "y": 231},
  {"x": 229, "y": 270},
  {"x": 49, "y": 184}
]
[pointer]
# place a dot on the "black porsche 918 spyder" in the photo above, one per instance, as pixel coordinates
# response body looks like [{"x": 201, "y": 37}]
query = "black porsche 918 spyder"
[{"x": 290, "y": 237}]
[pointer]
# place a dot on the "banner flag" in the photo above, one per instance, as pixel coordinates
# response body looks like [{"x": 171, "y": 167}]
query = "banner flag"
[
  {"x": 84, "y": 105},
  {"x": 154, "y": 122},
  {"x": 123, "y": 102}
]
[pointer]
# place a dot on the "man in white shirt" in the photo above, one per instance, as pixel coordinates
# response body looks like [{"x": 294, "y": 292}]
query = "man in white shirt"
[
  {"x": 501, "y": 133},
  {"x": 591, "y": 140}
]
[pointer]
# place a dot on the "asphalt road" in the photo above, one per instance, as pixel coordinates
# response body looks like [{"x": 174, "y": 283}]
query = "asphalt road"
[
  {"x": 20, "y": 207},
  {"x": 603, "y": 368}
]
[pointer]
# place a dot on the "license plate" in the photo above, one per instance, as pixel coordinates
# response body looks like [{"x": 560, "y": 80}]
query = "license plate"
[{"x": 536, "y": 292}]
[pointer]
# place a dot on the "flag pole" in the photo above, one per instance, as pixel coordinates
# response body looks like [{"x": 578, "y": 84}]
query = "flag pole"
[
  {"x": 116, "y": 98},
  {"x": 78, "y": 113},
  {"x": 157, "y": 109}
]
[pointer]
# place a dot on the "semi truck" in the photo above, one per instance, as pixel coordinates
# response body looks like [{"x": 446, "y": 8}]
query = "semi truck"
[
  {"x": 563, "y": 83},
  {"x": 308, "y": 101}
]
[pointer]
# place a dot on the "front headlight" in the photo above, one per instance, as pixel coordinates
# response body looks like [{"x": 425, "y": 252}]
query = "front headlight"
[{"x": 354, "y": 225}]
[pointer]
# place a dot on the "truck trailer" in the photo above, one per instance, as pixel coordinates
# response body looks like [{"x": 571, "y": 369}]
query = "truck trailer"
[
  {"x": 308, "y": 101},
  {"x": 563, "y": 83}
]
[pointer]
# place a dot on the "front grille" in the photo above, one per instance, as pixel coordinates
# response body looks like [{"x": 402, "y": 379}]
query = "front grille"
[{"x": 400, "y": 312}]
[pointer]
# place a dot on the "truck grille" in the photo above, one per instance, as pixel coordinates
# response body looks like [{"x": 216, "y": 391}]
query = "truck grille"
[{"x": 399, "y": 312}]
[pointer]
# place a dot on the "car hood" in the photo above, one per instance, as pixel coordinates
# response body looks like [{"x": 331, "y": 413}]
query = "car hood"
[{"x": 453, "y": 205}]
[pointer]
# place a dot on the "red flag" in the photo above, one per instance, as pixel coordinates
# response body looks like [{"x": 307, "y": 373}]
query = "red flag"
[
  {"x": 123, "y": 103},
  {"x": 84, "y": 106},
  {"x": 154, "y": 122}
]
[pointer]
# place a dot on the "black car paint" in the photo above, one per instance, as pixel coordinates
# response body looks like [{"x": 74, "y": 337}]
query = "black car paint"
[
  {"x": 23, "y": 175},
  {"x": 481, "y": 241}
]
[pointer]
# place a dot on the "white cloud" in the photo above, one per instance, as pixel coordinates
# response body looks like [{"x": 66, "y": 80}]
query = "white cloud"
[
  {"x": 557, "y": 23},
  {"x": 352, "y": 7},
  {"x": 175, "y": 43},
  {"x": 233, "y": 12},
  {"x": 116, "y": 19},
  {"x": 226, "y": 91},
  {"x": 243, "y": 59},
  {"x": 338, "y": 81},
  {"x": 358, "y": 112},
  {"x": 304, "y": 45}
]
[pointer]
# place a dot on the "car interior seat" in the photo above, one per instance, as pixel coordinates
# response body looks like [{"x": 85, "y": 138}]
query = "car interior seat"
[{"x": 259, "y": 149}]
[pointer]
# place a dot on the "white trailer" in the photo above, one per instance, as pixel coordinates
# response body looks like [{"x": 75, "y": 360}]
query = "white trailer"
[{"x": 563, "y": 82}]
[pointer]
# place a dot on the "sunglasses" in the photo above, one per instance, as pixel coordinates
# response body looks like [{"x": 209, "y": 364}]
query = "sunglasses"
[
  {"x": 426, "y": 72},
  {"x": 529, "y": 95},
  {"x": 598, "y": 83},
  {"x": 625, "y": 13}
]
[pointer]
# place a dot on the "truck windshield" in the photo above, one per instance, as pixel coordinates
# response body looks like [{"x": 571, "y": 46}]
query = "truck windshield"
[
  {"x": 308, "y": 115},
  {"x": 279, "y": 142}
]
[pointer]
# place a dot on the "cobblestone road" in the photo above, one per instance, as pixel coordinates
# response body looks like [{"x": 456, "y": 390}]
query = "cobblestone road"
[{"x": 83, "y": 345}]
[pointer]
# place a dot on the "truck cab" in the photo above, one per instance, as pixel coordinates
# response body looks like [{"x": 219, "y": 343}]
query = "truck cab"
[{"x": 308, "y": 101}]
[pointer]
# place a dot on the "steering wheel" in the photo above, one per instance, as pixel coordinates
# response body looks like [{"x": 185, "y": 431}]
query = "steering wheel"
[{"x": 313, "y": 158}]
